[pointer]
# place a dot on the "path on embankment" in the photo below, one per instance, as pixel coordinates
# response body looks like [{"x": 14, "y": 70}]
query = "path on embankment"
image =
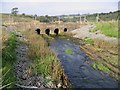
[
  {"x": 76, "y": 66},
  {"x": 84, "y": 32}
]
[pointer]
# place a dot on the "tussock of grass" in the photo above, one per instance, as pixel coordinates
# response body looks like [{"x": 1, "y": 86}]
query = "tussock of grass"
[
  {"x": 8, "y": 58},
  {"x": 107, "y": 28}
]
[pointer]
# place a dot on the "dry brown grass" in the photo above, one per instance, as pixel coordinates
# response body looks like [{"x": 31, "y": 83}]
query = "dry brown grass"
[{"x": 5, "y": 36}]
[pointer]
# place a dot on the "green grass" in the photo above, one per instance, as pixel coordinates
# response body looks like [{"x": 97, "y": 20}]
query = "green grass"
[
  {"x": 42, "y": 65},
  {"x": 8, "y": 58},
  {"x": 107, "y": 28},
  {"x": 100, "y": 67},
  {"x": 88, "y": 40}
]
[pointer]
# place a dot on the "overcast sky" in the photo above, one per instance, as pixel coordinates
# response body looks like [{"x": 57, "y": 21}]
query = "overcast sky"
[{"x": 55, "y": 7}]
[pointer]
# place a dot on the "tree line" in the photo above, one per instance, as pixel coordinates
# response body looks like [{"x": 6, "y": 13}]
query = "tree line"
[{"x": 70, "y": 18}]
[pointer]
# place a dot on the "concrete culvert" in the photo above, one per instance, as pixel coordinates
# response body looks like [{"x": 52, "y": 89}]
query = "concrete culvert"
[
  {"x": 65, "y": 29},
  {"x": 47, "y": 31},
  {"x": 56, "y": 31},
  {"x": 38, "y": 31}
]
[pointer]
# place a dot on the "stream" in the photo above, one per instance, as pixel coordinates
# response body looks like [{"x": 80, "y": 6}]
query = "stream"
[{"x": 76, "y": 67}]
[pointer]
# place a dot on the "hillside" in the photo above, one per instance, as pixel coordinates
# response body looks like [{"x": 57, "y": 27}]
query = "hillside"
[
  {"x": 71, "y": 18},
  {"x": 92, "y": 17}
]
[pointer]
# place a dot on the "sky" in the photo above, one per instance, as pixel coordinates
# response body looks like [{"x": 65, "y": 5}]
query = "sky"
[{"x": 59, "y": 7}]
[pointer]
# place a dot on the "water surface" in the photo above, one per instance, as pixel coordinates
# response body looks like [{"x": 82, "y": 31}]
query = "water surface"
[{"x": 76, "y": 67}]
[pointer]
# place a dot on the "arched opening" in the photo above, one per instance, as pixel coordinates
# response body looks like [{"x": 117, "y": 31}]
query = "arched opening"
[
  {"x": 38, "y": 31},
  {"x": 65, "y": 29},
  {"x": 56, "y": 31},
  {"x": 47, "y": 31}
]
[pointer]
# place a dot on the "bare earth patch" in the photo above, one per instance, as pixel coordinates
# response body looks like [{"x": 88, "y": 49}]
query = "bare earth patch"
[{"x": 84, "y": 32}]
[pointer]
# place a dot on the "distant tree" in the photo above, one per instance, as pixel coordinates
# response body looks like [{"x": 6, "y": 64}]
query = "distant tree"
[
  {"x": 44, "y": 19},
  {"x": 23, "y": 14},
  {"x": 47, "y": 19},
  {"x": 14, "y": 10},
  {"x": 35, "y": 16},
  {"x": 46, "y": 16}
]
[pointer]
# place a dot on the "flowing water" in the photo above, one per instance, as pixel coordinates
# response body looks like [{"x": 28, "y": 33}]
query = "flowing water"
[{"x": 76, "y": 67}]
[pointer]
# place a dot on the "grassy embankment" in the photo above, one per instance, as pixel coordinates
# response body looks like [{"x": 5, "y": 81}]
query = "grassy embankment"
[
  {"x": 8, "y": 58},
  {"x": 107, "y": 28},
  {"x": 104, "y": 53}
]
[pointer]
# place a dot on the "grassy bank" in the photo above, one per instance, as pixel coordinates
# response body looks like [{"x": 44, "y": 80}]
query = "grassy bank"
[
  {"x": 45, "y": 62},
  {"x": 107, "y": 28},
  {"x": 8, "y": 58},
  {"x": 105, "y": 53},
  {"x": 105, "y": 56}
]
